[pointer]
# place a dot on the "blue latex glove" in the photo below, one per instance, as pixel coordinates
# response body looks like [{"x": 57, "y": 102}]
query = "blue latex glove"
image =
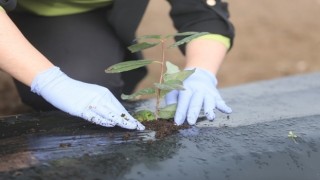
[
  {"x": 89, "y": 101},
  {"x": 200, "y": 91}
]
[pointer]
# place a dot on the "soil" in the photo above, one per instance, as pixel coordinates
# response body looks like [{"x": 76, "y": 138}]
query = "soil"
[
  {"x": 273, "y": 39},
  {"x": 163, "y": 127}
]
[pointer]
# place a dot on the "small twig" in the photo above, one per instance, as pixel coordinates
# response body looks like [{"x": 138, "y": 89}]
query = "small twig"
[{"x": 161, "y": 77}]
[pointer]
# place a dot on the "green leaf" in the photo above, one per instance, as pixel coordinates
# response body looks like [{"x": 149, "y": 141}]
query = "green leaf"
[
  {"x": 173, "y": 85},
  {"x": 163, "y": 93},
  {"x": 168, "y": 112},
  {"x": 141, "y": 46},
  {"x": 170, "y": 85},
  {"x": 182, "y": 34},
  {"x": 187, "y": 39},
  {"x": 181, "y": 76},
  {"x": 171, "y": 68},
  {"x": 138, "y": 94},
  {"x": 127, "y": 66},
  {"x": 166, "y": 87},
  {"x": 144, "y": 115},
  {"x": 148, "y": 37}
]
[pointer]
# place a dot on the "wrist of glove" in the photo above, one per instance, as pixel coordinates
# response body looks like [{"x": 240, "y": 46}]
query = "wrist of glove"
[
  {"x": 91, "y": 102},
  {"x": 200, "y": 93}
]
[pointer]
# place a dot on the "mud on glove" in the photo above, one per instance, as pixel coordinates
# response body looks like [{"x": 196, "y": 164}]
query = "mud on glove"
[{"x": 91, "y": 102}]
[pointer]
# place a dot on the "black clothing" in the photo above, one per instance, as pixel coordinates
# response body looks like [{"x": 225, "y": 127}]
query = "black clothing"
[{"x": 83, "y": 45}]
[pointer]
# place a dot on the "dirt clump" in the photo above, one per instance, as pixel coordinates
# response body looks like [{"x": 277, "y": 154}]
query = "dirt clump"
[{"x": 163, "y": 127}]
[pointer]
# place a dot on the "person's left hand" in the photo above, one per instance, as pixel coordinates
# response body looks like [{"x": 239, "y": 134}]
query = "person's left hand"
[{"x": 200, "y": 91}]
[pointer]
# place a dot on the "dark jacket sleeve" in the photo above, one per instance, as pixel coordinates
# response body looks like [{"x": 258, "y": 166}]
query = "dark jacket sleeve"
[
  {"x": 197, "y": 15},
  {"x": 8, "y": 5}
]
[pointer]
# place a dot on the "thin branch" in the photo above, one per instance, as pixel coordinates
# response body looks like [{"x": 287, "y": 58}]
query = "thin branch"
[{"x": 161, "y": 76}]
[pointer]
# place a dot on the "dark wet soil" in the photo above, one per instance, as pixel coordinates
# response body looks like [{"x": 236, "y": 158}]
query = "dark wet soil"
[{"x": 163, "y": 128}]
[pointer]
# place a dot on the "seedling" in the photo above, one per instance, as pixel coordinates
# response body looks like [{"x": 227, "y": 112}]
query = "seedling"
[
  {"x": 292, "y": 136},
  {"x": 170, "y": 80}
]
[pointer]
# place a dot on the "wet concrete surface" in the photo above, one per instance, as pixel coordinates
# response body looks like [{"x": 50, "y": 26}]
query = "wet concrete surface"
[{"x": 252, "y": 143}]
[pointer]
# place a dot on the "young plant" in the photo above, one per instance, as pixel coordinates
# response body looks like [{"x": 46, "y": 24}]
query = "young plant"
[
  {"x": 170, "y": 80},
  {"x": 292, "y": 136}
]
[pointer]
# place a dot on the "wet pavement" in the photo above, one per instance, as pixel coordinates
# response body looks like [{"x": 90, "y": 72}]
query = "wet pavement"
[{"x": 251, "y": 143}]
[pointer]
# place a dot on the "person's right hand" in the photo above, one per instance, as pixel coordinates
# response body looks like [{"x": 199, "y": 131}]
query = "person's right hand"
[
  {"x": 200, "y": 91},
  {"x": 91, "y": 102}
]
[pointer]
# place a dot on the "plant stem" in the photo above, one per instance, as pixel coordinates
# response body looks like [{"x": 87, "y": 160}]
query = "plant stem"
[{"x": 161, "y": 77}]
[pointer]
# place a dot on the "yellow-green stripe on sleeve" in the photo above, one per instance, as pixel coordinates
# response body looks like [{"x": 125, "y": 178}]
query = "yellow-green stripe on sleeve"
[
  {"x": 61, "y": 7},
  {"x": 217, "y": 37}
]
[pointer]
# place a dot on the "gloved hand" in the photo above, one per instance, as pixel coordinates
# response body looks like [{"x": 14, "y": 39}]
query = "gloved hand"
[
  {"x": 200, "y": 91},
  {"x": 91, "y": 102}
]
